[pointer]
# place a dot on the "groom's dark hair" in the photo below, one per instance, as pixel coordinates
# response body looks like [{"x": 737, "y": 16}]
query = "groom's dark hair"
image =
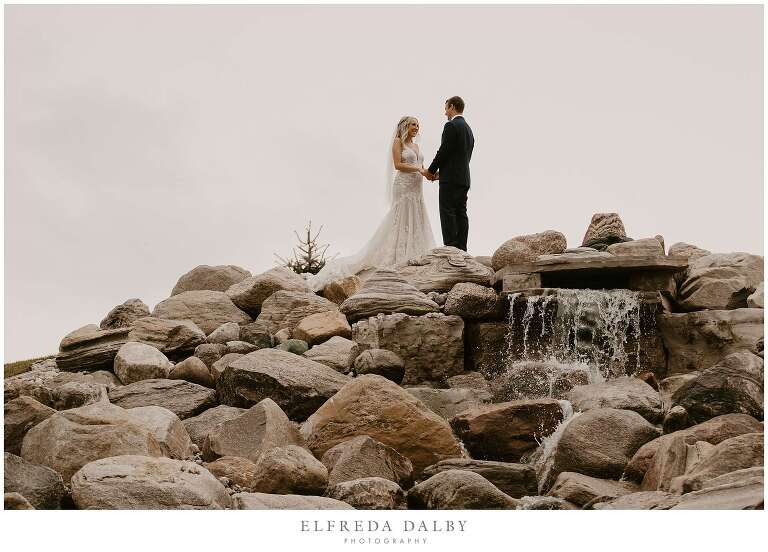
[{"x": 456, "y": 102}]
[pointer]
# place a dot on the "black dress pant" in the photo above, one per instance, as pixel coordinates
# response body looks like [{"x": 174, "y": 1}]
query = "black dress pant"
[{"x": 453, "y": 215}]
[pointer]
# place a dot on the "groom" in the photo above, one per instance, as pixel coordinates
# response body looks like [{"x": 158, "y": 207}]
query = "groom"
[{"x": 451, "y": 168}]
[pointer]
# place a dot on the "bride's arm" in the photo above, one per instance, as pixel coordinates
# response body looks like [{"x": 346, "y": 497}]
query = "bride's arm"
[{"x": 397, "y": 150}]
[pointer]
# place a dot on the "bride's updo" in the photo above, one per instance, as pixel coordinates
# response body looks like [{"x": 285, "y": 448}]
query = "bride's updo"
[{"x": 402, "y": 127}]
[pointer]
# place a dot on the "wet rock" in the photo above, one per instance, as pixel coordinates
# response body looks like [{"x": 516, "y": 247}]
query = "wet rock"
[
  {"x": 211, "y": 278},
  {"x": 381, "y": 363},
  {"x": 193, "y": 370},
  {"x": 669, "y": 386},
  {"x": 581, "y": 489},
  {"x": 507, "y": 430},
  {"x": 698, "y": 340},
  {"x": 676, "y": 419},
  {"x": 42, "y": 487},
  {"x": 444, "y": 267},
  {"x": 265, "y": 501},
  {"x": 431, "y": 346},
  {"x": 123, "y": 316},
  {"x": 207, "y": 309},
  {"x": 363, "y": 457},
  {"x": 262, "y": 427},
  {"x": 198, "y": 427},
  {"x": 486, "y": 346},
  {"x": 173, "y": 338},
  {"x": 143, "y": 483},
  {"x": 167, "y": 430},
  {"x": 181, "y": 397},
  {"x": 250, "y": 294},
  {"x": 471, "y": 380},
  {"x": 337, "y": 353},
  {"x": 458, "y": 490},
  {"x": 374, "y": 406},
  {"x": 370, "y": 493},
  {"x": 732, "y": 386},
  {"x": 71, "y": 438},
  {"x": 20, "y": 415},
  {"x": 90, "y": 348},
  {"x": 137, "y": 361},
  {"x": 516, "y": 480},
  {"x": 297, "y": 384},
  {"x": 285, "y": 309},
  {"x": 448, "y": 403},
  {"x": 289, "y": 470},
  {"x": 621, "y": 393},
  {"x": 386, "y": 291},
  {"x": 475, "y": 302},
  {"x": 224, "y": 333}
]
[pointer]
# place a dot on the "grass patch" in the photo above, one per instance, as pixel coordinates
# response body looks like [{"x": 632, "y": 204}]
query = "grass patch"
[{"x": 21, "y": 366}]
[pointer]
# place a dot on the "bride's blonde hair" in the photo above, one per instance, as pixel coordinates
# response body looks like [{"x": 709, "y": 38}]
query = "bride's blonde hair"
[{"x": 402, "y": 126}]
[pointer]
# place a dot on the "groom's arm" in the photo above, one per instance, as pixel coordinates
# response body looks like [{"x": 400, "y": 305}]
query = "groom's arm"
[{"x": 446, "y": 147}]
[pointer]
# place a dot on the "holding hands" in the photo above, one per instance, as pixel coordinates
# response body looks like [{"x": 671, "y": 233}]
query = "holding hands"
[{"x": 428, "y": 175}]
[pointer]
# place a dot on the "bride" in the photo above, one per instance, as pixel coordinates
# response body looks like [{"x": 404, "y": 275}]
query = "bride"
[{"x": 405, "y": 232}]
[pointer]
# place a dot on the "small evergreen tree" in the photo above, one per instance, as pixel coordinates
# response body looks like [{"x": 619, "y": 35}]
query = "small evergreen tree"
[{"x": 310, "y": 256}]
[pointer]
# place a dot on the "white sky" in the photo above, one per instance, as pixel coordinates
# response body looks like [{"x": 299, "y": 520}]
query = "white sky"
[{"x": 142, "y": 141}]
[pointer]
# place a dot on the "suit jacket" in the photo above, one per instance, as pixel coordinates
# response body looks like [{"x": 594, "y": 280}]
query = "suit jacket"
[{"x": 452, "y": 159}]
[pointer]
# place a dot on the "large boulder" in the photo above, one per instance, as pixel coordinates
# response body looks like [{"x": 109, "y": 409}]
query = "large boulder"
[
  {"x": 720, "y": 281},
  {"x": 374, "y": 406},
  {"x": 458, "y": 490},
  {"x": 262, "y": 427},
  {"x": 250, "y": 293},
  {"x": 239, "y": 471},
  {"x": 690, "y": 252},
  {"x": 322, "y": 326},
  {"x": 581, "y": 489},
  {"x": 131, "y": 482},
  {"x": 296, "y": 383},
  {"x": 337, "y": 353},
  {"x": 289, "y": 470},
  {"x": 285, "y": 309},
  {"x": 524, "y": 249},
  {"x": 181, "y": 397},
  {"x": 167, "y": 429},
  {"x": 212, "y": 278},
  {"x": 598, "y": 443},
  {"x": 173, "y": 338},
  {"x": 123, "y": 316},
  {"x": 41, "y": 486},
  {"x": 475, "y": 302},
  {"x": 431, "y": 346},
  {"x": 732, "y": 386},
  {"x": 198, "y": 427},
  {"x": 622, "y": 393},
  {"x": 363, "y": 457},
  {"x": 229, "y": 331},
  {"x": 604, "y": 229},
  {"x": 369, "y": 493},
  {"x": 516, "y": 480},
  {"x": 193, "y": 370},
  {"x": 20, "y": 415},
  {"x": 444, "y": 267},
  {"x": 207, "y": 309},
  {"x": 506, "y": 431},
  {"x": 68, "y": 440},
  {"x": 448, "y": 403},
  {"x": 59, "y": 390},
  {"x": 265, "y": 501},
  {"x": 698, "y": 340},
  {"x": 137, "y": 361},
  {"x": 738, "y": 490},
  {"x": 712, "y": 431},
  {"x": 387, "y": 291},
  {"x": 90, "y": 348}
]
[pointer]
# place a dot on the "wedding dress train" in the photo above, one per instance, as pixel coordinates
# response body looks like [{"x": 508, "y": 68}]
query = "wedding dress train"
[{"x": 404, "y": 233}]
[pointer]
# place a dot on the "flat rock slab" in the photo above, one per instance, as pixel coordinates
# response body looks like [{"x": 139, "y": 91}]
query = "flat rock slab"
[
  {"x": 444, "y": 267},
  {"x": 264, "y": 501},
  {"x": 516, "y": 480},
  {"x": 90, "y": 348},
  {"x": 172, "y": 337},
  {"x": 181, "y": 397}
]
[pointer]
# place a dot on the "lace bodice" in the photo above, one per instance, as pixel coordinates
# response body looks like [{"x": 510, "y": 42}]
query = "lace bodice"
[{"x": 408, "y": 184}]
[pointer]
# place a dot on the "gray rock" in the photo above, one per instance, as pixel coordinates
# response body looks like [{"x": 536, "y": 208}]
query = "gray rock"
[
  {"x": 207, "y": 309},
  {"x": 181, "y": 397},
  {"x": 241, "y": 347},
  {"x": 41, "y": 486},
  {"x": 142, "y": 483},
  {"x": 516, "y": 480},
  {"x": 475, "y": 302},
  {"x": 264, "y": 501},
  {"x": 174, "y": 338},
  {"x": 447, "y": 403},
  {"x": 294, "y": 346},
  {"x": 250, "y": 294},
  {"x": 622, "y": 393},
  {"x": 336, "y": 353},
  {"x": 198, "y": 427},
  {"x": 229, "y": 331},
  {"x": 123, "y": 316},
  {"x": 298, "y": 385},
  {"x": 364, "y": 457},
  {"x": 90, "y": 348},
  {"x": 289, "y": 470},
  {"x": 444, "y": 267},
  {"x": 257, "y": 333},
  {"x": 213, "y": 278},
  {"x": 431, "y": 346},
  {"x": 138, "y": 361},
  {"x": 370, "y": 493},
  {"x": 210, "y": 352},
  {"x": 285, "y": 309},
  {"x": 458, "y": 490},
  {"x": 471, "y": 380},
  {"x": 20, "y": 415},
  {"x": 193, "y": 370},
  {"x": 380, "y": 362}
]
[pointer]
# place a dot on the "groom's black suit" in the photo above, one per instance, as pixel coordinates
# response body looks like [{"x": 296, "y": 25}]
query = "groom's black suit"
[{"x": 452, "y": 159}]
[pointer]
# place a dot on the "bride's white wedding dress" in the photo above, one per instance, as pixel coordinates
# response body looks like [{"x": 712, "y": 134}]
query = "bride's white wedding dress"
[{"x": 404, "y": 233}]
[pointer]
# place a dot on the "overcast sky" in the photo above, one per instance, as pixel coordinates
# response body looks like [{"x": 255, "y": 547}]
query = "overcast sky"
[{"x": 142, "y": 141}]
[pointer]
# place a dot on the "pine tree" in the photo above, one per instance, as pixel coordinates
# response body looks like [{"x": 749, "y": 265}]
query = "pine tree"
[{"x": 310, "y": 256}]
